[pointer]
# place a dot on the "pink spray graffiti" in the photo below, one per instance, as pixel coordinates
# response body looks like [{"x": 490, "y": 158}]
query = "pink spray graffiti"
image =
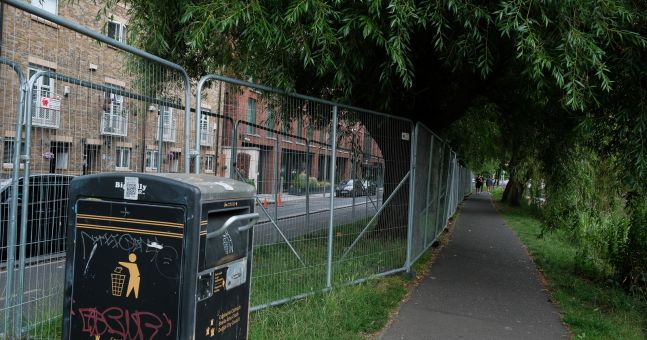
[{"x": 137, "y": 325}]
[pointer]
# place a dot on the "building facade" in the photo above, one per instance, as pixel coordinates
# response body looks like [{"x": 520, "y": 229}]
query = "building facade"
[{"x": 85, "y": 129}]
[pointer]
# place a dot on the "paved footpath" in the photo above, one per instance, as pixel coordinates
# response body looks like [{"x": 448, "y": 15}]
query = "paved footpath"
[{"x": 482, "y": 286}]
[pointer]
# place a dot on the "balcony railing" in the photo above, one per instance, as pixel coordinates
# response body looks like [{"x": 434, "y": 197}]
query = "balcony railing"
[
  {"x": 115, "y": 124},
  {"x": 46, "y": 117},
  {"x": 170, "y": 133},
  {"x": 206, "y": 138}
]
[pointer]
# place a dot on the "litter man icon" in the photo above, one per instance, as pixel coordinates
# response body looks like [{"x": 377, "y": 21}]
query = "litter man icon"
[{"x": 133, "y": 275}]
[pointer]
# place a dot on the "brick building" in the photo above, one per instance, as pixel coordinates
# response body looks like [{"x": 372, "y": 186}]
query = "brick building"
[
  {"x": 80, "y": 130},
  {"x": 275, "y": 150}
]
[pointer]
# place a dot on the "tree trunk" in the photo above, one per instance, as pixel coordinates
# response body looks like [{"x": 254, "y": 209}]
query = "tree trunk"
[
  {"x": 396, "y": 152},
  {"x": 514, "y": 191}
]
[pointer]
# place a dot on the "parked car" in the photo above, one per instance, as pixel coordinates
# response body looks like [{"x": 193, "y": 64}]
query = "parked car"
[
  {"x": 47, "y": 214},
  {"x": 355, "y": 188}
]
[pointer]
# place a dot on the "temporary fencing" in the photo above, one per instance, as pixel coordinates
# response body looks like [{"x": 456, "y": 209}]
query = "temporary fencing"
[{"x": 345, "y": 194}]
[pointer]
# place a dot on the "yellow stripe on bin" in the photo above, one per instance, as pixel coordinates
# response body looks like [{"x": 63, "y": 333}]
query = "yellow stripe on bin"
[
  {"x": 129, "y": 230},
  {"x": 131, "y": 220}
]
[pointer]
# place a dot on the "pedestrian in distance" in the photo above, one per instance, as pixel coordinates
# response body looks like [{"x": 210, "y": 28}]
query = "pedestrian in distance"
[
  {"x": 479, "y": 183},
  {"x": 489, "y": 183}
]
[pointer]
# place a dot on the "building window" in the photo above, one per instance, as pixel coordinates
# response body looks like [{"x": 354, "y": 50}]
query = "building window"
[
  {"x": 251, "y": 115},
  {"x": 368, "y": 145},
  {"x": 269, "y": 123},
  {"x": 8, "y": 151},
  {"x": 151, "y": 159},
  {"x": 117, "y": 31},
  {"x": 91, "y": 159},
  {"x": 45, "y": 107},
  {"x": 115, "y": 117},
  {"x": 299, "y": 132},
  {"x": 174, "y": 160},
  {"x": 285, "y": 130},
  {"x": 47, "y": 5},
  {"x": 311, "y": 132},
  {"x": 322, "y": 137},
  {"x": 206, "y": 134},
  {"x": 123, "y": 159},
  {"x": 170, "y": 125},
  {"x": 61, "y": 159},
  {"x": 208, "y": 163}
]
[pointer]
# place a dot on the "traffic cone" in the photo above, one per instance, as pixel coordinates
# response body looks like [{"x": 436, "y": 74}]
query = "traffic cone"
[
  {"x": 265, "y": 204},
  {"x": 279, "y": 203}
]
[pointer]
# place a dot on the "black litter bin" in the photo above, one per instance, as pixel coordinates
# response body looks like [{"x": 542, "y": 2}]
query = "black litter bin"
[{"x": 158, "y": 256}]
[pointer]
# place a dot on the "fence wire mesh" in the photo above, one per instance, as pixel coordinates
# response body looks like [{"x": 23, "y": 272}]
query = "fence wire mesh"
[
  {"x": 334, "y": 183},
  {"x": 93, "y": 108}
]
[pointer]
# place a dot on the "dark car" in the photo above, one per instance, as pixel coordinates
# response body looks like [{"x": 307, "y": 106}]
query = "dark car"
[
  {"x": 47, "y": 214},
  {"x": 355, "y": 188}
]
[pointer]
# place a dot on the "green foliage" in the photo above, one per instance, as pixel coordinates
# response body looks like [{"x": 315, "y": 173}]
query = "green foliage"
[
  {"x": 301, "y": 180},
  {"x": 476, "y": 137},
  {"x": 543, "y": 67},
  {"x": 593, "y": 305},
  {"x": 587, "y": 199},
  {"x": 354, "y": 310},
  {"x": 325, "y": 46}
]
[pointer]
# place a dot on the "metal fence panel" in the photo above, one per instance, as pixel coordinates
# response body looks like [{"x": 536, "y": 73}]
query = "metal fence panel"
[
  {"x": 422, "y": 183},
  {"x": 335, "y": 183},
  {"x": 379, "y": 243},
  {"x": 91, "y": 108}
]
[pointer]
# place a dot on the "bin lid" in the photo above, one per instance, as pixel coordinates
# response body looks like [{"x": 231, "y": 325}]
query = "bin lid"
[{"x": 212, "y": 187}]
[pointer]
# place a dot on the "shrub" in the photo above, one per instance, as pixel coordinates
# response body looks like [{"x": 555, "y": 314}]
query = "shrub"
[{"x": 585, "y": 197}]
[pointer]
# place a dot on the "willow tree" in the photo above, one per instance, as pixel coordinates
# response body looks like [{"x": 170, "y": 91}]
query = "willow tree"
[{"x": 426, "y": 60}]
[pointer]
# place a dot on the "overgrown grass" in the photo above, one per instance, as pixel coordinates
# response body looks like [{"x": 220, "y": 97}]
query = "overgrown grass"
[
  {"x": 591, "y": 303},
  {"x": 52, "y": 328},
  {"x": 346, "y": 312},
  {"x": 350, "y": 312},
  {"x": 279, "y": 274}
]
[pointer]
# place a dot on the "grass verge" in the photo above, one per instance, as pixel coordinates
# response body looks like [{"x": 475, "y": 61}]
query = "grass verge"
[
  {"x": 347, "y": 312},
  {"x": 592, "y": 305}
]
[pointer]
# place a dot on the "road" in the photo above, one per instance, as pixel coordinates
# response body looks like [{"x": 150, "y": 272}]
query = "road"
[{"x": 294, "y": 222}]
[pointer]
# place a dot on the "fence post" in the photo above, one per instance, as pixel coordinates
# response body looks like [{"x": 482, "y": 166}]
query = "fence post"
[
  {"x": 234, "y": 150},
  {"x": 412, "y": 182},
  {"x": 308, "y": 171},
  {"x": 331, "y": 220},
  {"x": 160, "y": 136},
  {"x": 13, "y": 208},
  {"x": 277, "y": 182},
  {"x": 25, "y": 204},
  {"x": 440, "y": 194},
  {"x": 428, "y": 199}
]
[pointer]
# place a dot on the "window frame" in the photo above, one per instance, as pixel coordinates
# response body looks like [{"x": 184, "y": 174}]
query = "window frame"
[
  {"x": 151, "y": 158},
  {"x": 120, "y": 32},
  {"x": 8, "y": 146},
  {"x": 170, "y": 125},
  {"x": 270, "y": 122},
  {"x": 115, "y": 116},
  {"x": 209, "y": 163},
  {"x": 251, "y": 115},
  {"x": 119, "y": 158},
  {"x": 41, "y": 5},
  {"x": 206, "y": 135},
  {"x": 41, "y": 89},
  {"x": 61, "y": 153}
]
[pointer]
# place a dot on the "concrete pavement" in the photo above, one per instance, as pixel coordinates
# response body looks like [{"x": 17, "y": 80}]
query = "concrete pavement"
[{"x": 483, "y": 286}]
